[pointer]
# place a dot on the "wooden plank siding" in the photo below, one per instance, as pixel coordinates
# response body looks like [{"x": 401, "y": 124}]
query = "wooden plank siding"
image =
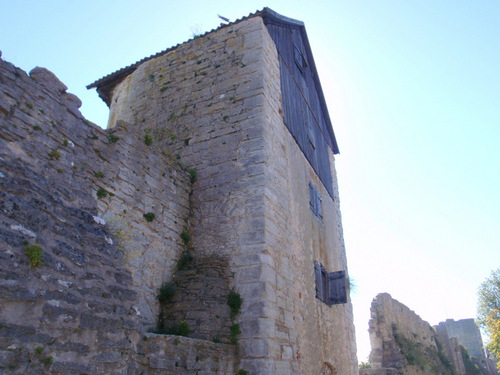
[{"x": 302, "y": 108}]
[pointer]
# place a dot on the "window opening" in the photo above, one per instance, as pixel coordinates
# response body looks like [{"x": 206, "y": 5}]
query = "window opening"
[
  {"x": 299, "y": 59},
  {"x": 315, "y": 201},
  {"x": 331, "y": 288}
]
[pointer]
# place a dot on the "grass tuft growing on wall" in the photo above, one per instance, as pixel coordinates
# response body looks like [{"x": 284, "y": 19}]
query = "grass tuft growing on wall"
[{"x": 34, "y": 254}]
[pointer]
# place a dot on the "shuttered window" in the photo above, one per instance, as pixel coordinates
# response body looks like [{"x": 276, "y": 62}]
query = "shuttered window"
[
  {"x": 330, "y": 287},
  {"x": 337, "y": 286},
  {"x": 299, "y": 59},
  {"x": 315, "y": 201},
  {"x": 319, "y": 284}
]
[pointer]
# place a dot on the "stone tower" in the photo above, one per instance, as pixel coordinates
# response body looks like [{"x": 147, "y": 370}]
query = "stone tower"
[
  {"x": 243, "y": 107},
  {"x": 215, "y": 178}
]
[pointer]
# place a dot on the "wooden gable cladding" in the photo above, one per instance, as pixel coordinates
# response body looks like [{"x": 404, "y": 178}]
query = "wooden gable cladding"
[{"x": 305, "y": 113}]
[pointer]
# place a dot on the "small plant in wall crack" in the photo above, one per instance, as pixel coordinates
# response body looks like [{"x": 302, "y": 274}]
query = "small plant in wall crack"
[
  {"x": 234, "y": 302},
  {"x": 54, "y": 155},
  {"x": 183, "y": 328},
  {"x": 192, "y": 175},
  {"x": 112, "y": 138},
  {"x": 34, "y": 254},
  {"x": 184, "y": 260},
  {"x": 185, "y": 237},
  {"x": 148, "y": 139},
  {"x": 149, "y": 216},
  {"x": 101, "y": 193},
  {"x": 166, "y": 293},
  {"x": 235, "y": 331}
]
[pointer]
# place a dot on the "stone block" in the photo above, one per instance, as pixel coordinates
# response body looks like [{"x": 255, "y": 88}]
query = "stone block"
[
  {"x": 108, "y": 357},
  {"x": 162, "y": 363},
  {"x": 254, "y": 348}
]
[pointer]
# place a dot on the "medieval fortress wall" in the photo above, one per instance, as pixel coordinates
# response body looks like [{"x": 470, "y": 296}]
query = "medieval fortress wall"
[
  {"x": 403, "y": 343},
  {"x": 195, "y": 137},
  {"x": 79, "y": 312},
  {"x": 250, "y": 198}
]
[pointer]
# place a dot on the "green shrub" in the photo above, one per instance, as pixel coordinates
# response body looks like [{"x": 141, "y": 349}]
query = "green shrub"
[
  {"x": 112, "y": 138},
  {"x": 192, "y": 175},
  {"x": 99, "y": 174},
  {"x": 37, "y": 127},
  {"x": 148, "y": 139},
  {"x": 365, "y": 365},
  {"x": 234, "y": 301},
  {"x": 242, "y": 372},
  {"x": 184, "y": 260},
  {"x": 235, "y": 331},
  {"x": 149, "y": 216},
  {"x": 34, "y": 253},
  {"x": 101, "y": 193},
  {"x": 183, "y": 328},
  {"x": 166, "y": 293},
  {"x": 54, "y": 155},
  {"x": 48, "y": 361},
  {"x": 185, "y": 237}
]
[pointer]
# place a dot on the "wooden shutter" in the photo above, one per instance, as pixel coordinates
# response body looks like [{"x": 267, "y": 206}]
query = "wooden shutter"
[
  {"x": 315, "y": 201},
  {"x": 337, "y": 286},
  {"x": 311, "y": 196},
  {"x": 324, "y": 285},
  {"x": 317, "y": 277},
  {"x": 319, "y": 211}
]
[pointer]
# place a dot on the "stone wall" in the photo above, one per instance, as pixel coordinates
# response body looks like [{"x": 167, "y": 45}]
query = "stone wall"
[
  {"x": 196, "y": 137},
  {"x": 203, "y": 100},
  {"x": 86, "y": 307},
  {"x": 467, "y": 334},
  {"x": 402, "y": 342},
  {"x": 452, "y": 349},
  {"x": 306, "y": 335},
  {"x": 216, "y": 100}
]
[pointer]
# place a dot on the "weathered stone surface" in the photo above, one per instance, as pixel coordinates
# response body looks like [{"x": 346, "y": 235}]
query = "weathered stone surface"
[
  {"x": 401, "y": 342},
  {"x": 196, "y": 137},
  {"x": 48, "y": 79},
  {"x": 81, "y": 303}
]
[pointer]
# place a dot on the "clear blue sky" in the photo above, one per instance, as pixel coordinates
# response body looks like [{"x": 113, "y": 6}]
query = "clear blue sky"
[{"x": 413, "y": 90}]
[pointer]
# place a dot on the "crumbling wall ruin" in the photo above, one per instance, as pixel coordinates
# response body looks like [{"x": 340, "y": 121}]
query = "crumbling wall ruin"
[
  {"x": 74, "y": 307},
  {"x": 403, "y": 343}
]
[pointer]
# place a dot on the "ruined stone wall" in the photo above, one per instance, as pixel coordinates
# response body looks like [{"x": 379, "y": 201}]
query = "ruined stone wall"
[
  {"x": 467, "y": 334},
  {"x": 403, "y": 343},
  {"x": 452, "y": 349},
  {"x": 85, "y": 308}
]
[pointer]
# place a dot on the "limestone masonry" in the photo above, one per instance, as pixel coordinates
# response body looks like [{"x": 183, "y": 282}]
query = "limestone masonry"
[
  {"x": 214, "y": 181},
  {"x": 403, "y": 343}
]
